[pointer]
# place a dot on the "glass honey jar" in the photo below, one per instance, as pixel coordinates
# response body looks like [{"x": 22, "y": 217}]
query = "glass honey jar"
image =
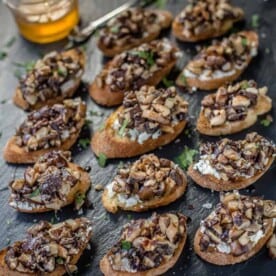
[{"x": 44, "y": 21}]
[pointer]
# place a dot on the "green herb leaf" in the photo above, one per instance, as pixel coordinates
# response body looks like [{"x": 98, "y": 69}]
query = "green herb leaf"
[
  {"x": 148, "y": 56},
  {"x": 161, "y": 4},
  {"x": 3, "y": 55},
  {"x": 255, "y": 20},
  {"x": 126, "y": 245},
  {"x": 102, "y": 160},
  {"x": 244, "y": 85},
  {"x": 95, "y": 113},
  {"x": 244, "y": 42},
  {"x": 84, "y": 143},
  {"x": 35, "y": 193},
  {"x": 27, "y": 66},
  {"x": 102, "y": 126},
  {"x": 123, "y": 128},
  {"x": 62, "y": 71},
  {"x": 185, "y": 159},
  {"x": 266, "y": 122},
  {"x": 183, "y": 79},
  {"x": 59, "y": 260},
  {"x": 167, "y": 83},
  {"x": 18, "y": 74},
  {"x": 87, "y": 122},
  {"x": 79, "y": 199},
  {"x": 129, "y": 216},
  {"x": 115, "y": 29},
  {"x": 10, "y": 42}
]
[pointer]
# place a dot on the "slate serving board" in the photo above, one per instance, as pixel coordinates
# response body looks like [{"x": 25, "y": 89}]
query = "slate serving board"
[{"x": 107, "y": 227}]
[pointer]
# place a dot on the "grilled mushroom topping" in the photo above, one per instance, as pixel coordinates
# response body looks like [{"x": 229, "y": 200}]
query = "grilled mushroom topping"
[
  {"x": 149, "y": 113},
  {"x": 52, "y": 76},
  {"x": 207, "y": 16},
  {"x": 50, "y": 126},
  {"x": 148, "y": 243},
  {"x": 46, "y": 184},
  {"x": 231, "y": 103},
  {"x": 147, "y": 178},
  {"x": 235, "y": 226},
  {"x": 222, "y": 58},
  {"x": 134, "y": 68},
  {"x": 235, "y": 160},
  {"x": 48, "y": 246},
  {"x": 130, "y": 27}
]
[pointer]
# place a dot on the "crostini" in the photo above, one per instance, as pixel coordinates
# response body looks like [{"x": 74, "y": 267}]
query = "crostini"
[
  {"x": 148, "y": 183},
  {"x": 52, "y": 183},
  {"x": 50, "y": 128},
  {"x": 204, "y": 19},
  {"x": 147, "y": 246},
  {"x": 148, "y": 118},
  {"x": 236, "y": 230},
  {"x": 232, "y": 108},
  {"x": 227, "y": 164},
  {"x": 147, "y": 64},
  {"x": 222, "y": 62},
  {"x": 49, "y": 249},
  {"x": 53, "y": 78},
  {"x": 132, "y": 28}
]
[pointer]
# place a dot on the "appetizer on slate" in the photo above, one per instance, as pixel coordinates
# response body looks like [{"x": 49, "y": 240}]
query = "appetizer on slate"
[
  {"x": 147, "y": 246},
  {"x": 49, "y": 128},
  {"x": 54, "y": 78},
  {"x": 226, "y": 165},
  {"x": 52, "y": 183},
  {"x": 222, "y": 62},
  {"x": 148, "y": 183},
  {"x": 49, "y": 249},
  {"x": 236, "y": 230},
  {"x": 204, "y": 19},
  {"x": 232, "y": 108},
  {"x": 148, "y": 118},
  {"x": 131, "y": 28},
  {"x": 147, "y": 64}
]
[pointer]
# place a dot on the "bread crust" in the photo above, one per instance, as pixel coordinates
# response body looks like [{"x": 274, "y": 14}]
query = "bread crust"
[
  {"x": 82, "y": 187},
  {"x": 113, "y": 206},
  {"x": 20, "y": 102},
  {"x": 210, "y": 182},
  {"x": 218, "y": 258},
  {"x": 217, "y": 82},
  {"x": 264, "y": 105},
  {"x": 110, "y": 52},
  {"x": 113, "y": 146}
]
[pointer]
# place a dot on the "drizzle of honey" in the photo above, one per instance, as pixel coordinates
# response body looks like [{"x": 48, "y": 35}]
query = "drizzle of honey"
[{"x": 52, "y": 26}]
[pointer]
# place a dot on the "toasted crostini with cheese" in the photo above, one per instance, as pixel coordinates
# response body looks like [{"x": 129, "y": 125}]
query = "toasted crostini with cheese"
[
  {"x": 163, "y": 236},
  {"x": 48, "y": 249},
  {"x": 148, "y": 183},
  {"x": 148, "y": 118},
  {"x": 233, "y": 108},
  {"x": 205, "y": 19},
  {"x": 236, "y": 230},
  {"x": 227, "y": 164},
  {"x": 132, "y": 28},
  {"x": 53, "y": 78},
  {"x": 222, "y": 62},
  {"x": 147, "y": 64},
  {"x": 52, "y": 183},
  {"x": 49, "y": 128}
]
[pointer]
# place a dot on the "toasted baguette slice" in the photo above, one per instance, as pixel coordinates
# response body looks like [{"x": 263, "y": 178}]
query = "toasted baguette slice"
[
  {"x": 103, "y": 93},
  {"x": 214, "y": 29},
  {"x": 174, "y": 181},
  {"x": 210, "y": 180},
  {"x": 262, "y": 106},
  {"x": 31, "y": 205},
  {"x": 59, "y": 269},
  {"x": 165, "y": 20},
  {"x": 107, "y": 268},
  {"x": 189, "y": 79},
  {"x": 68, "y": 88},
  {"x": 20, "y": 155}
]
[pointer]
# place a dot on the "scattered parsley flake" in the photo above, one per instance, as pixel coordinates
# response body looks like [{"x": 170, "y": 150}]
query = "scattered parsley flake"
[
  {"x": 183, "y": 79},
  {"x": 123, "y": 128},
  {"x": 255, "y": 20},
  {"x": 10, "y": 42},
  {"x": 95, "y": 113},
  {"x": 148, "y": 56},
  {"x": 62, "y": 71},
  {"x": 244, "y": 85},
  {"x": 244, "y": 42},
  {"x": 161, "y": 4},
  {"x": 102, "y": 160},
  {"x": 79, "y": 199},
  {"x": 87, "y": 122},
  {"x": 120, "y": 165},
  {"x": 129, "y": 216},
  {"x": 126, "y": 245},
  {"x": 167, "y": 83},
  {"x": 3, "y": 55},
  {"x": 266, "y": 122},
  {"x": 35, "y": 193},
  {"x": 102, "y": 126},
  {"x": 84, "y": 143},
  {"x": 59, "y": 260},
  {"x": 8, "y": 242},
  {"x": 18, "y": 74},
  {"x": 115, "y": 29},
  {"x": 185, "y": 159}
]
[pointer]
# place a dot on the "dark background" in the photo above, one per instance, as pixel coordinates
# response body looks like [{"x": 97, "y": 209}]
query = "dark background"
[{"x": 107, "y": 227}]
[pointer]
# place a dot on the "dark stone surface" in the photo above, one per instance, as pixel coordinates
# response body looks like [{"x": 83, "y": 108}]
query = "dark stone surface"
[{"x": 107, "y": 227}]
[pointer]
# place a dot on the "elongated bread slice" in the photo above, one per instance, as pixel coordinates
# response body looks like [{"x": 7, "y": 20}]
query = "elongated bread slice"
[
  {"x": 49, "y": 249},
  {"x": 203, "y": 19},
  {"x": 49, "y": 128},
  {"x": 164, "y": 235},
  {"x": 54, "y": 78},
  {"x": 147, "y": 64},
  {"x": 236, "y": 230},
  {"x": 232, "y": 108},
  {"x": 220, "y": 63},
  {"x": 132, "y": 28},
  {"x": 52, "y": 183},
  {"x": 226, "y": 165},
  {"x": 148, "y": 183},
  {"x": 149, "y": 118}
]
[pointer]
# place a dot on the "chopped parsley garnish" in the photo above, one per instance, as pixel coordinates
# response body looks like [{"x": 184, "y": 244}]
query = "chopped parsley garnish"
[
  {"x": 59, "y": 260},
  {"x": 10, "y": 42},
  {"x": 129, "y": 216},
  {"x": 126, "y": 245},
  {"x": 102, "y": 160},
  {"x": 62, "y": 71},
  {"x": 27, "y": 66},
  {"x": 79, "y": 199},
  {"x": 35, "y": 193},
  {"x": 88, "y": 122},
  {"x": 183, "y": 79},
  {"x": 115, "y": 29},
  {"x": 148, "y": 56},
  {"x": 95, "y": 113},
  {"x": 244, "y": 85},
  {"x": 123, "y": 128},
  {"x": 167, "y": 83},
  {"x": 84, "y": 143},
  {"x": 266, "y": 122},
  {"x": 244, "y": 42},
  {"x": 102, "y": 126},
  {"x": 185, "y": 159},
  {"x": 255, "y": 20},
  {"x": 3, "y": 55},
  {"x": 161, "y": 4}
]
